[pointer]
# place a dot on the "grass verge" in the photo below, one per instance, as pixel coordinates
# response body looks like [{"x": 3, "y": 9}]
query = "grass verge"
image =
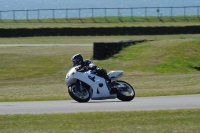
[
  {"x": 90, "y": 39},
  {"x": 173, "y": 121},
  {"x": 102, "y": 22},
  {"x": 161, "y": 67}
]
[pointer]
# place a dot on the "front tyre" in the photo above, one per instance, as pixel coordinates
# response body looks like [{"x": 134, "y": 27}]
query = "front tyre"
[
  {"x": 77, "y": 95},
  {"x": 126, "y": 92}
]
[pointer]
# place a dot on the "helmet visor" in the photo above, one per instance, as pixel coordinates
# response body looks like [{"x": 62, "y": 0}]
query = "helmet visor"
[{"x": 74, "y": 63}]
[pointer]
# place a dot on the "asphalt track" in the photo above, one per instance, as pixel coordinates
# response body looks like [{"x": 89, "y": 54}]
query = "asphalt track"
[{"x": 71, "y": 106}]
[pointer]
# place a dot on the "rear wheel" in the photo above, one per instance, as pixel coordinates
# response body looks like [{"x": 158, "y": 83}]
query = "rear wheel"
[
  {"x": 125, "y": 92},
  {"x": 76, "y": 94}
]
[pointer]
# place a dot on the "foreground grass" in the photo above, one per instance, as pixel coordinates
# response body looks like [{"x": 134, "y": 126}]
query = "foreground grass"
[
  {"x": 102, "y": 22},
  {"x": 161, "y": 67},
  {"x": 173, "y": 121}
]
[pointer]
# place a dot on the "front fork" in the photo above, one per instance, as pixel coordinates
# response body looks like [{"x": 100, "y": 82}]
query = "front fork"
[{"x": 81, "y": 86}]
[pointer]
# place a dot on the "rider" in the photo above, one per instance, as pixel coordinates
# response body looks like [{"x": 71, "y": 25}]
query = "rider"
[{"x": 77, "y": 59}]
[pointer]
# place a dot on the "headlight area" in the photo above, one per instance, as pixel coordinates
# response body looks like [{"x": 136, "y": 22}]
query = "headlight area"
[{"x": 68, "y": 79}]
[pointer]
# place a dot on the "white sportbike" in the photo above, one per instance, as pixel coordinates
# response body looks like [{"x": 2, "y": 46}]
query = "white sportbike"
[{"x": 86, "y": 85}]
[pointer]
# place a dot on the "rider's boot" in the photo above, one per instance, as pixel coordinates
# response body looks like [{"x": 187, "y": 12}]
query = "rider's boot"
[{"x": 112, "y": 89}]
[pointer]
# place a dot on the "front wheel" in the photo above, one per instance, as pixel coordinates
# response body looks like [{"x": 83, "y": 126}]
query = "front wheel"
[
  {"x": 77, "y": 95},
  {"x": 125, "y": 92}
]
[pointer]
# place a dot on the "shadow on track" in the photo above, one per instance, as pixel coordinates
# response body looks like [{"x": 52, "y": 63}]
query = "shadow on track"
[{"x": 102, "y": 101}]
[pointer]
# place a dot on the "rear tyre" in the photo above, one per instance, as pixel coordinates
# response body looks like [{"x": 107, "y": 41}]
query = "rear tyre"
[
  {"x": 127, "y": 93},
  {"x": 77, "y": 95}
]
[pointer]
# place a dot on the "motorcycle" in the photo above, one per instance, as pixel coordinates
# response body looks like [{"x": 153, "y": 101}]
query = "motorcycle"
[{"x": 86, "y": 85}]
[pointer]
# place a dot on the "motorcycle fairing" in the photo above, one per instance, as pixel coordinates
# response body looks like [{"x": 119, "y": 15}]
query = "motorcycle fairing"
[
  {"x": 115, "y": 75},
  {"x": 99, "y": 89}
]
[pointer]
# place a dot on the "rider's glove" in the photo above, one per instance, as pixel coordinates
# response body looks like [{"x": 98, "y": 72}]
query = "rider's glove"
[{"x": 83, "y": 69}]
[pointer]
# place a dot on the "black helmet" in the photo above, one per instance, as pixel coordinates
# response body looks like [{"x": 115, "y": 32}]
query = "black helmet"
[{"x": 77, "y": 59}]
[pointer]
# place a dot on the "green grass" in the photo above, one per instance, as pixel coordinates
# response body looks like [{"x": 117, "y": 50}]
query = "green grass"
[
  {"x": 35, "y": 73},
  {"x": 102, "y": 22},
  {"x": 169, "y": 57},
  {"x": 169, "y": 121},
  {"x": 90, "y": 39},
  {"x": 161, "y": 67}
]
